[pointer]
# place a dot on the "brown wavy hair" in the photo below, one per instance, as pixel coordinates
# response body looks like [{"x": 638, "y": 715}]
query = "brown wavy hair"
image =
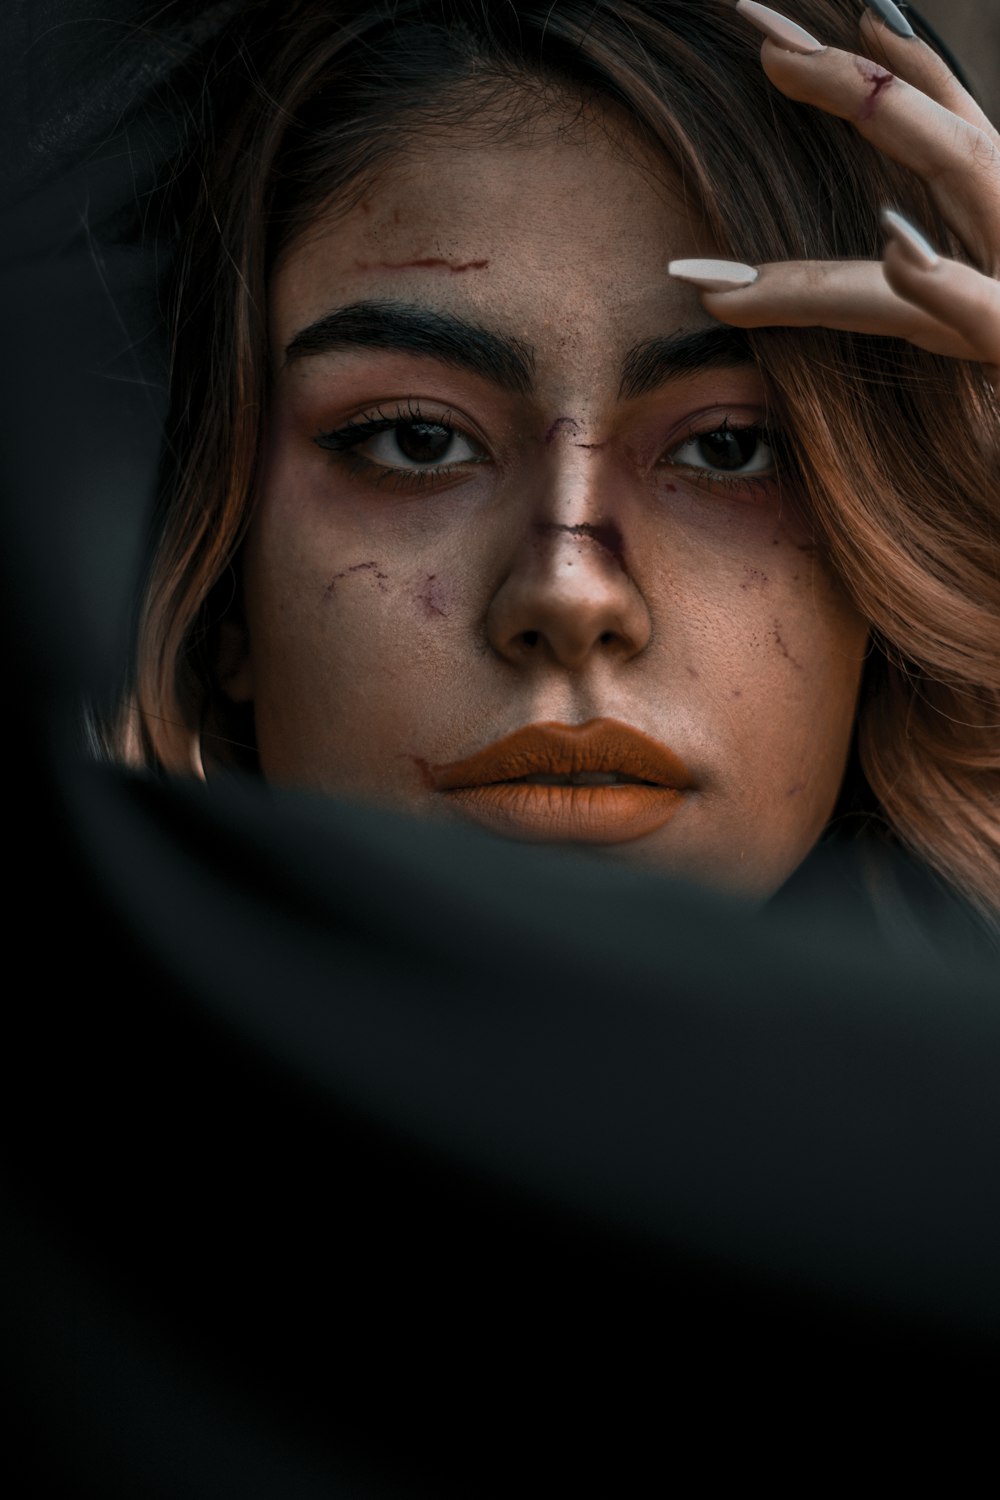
[{"x": 896, "y": 450}]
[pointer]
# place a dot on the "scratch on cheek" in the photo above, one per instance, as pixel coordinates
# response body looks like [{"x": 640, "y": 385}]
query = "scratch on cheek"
[
  {"x": 692, "y": 673},
  {"x": 737, "y": 692},
  {"x": 366, "y": 567},
  {"x": 783, "y": 649},
  {"x": 429, "y": 262},
  {"x": 432, "y": 598},
  {"x": 796, "y": 788},
  {"x": 879, "y": 79}
]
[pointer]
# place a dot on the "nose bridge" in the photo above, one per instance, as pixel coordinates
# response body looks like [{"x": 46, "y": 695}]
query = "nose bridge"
[
  {"x": 577, "y": 514},
  {"x": 570, "y": 588},
  {"x": 605, "y": 534}
]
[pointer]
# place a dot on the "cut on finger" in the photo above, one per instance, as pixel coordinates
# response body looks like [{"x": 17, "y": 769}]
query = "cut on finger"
[{"x": 911, "y": 59}]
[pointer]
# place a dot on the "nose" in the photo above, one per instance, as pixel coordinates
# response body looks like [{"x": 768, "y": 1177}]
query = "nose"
[{"x": 569, "y": 596}]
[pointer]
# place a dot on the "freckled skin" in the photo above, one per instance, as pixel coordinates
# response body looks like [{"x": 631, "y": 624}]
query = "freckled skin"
[{"x": 577, "y": 570}]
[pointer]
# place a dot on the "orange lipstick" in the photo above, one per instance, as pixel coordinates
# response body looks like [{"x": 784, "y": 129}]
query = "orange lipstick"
[{"x": 602, "y": 782}]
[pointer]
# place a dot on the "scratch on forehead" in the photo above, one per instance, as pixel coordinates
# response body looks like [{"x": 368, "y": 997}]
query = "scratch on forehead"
[{"x": 428, "y": 263}]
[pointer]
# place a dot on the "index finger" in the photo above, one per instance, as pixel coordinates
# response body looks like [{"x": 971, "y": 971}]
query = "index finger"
[{"x": 851, "y": 295}]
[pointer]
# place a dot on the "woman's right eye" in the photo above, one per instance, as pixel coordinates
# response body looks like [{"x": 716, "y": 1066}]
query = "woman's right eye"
[
  {"x": 417, "y": 444},
  {"x": 403, "y": 445}
]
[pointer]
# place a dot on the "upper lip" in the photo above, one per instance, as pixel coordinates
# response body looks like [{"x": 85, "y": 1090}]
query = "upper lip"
[{"x": 553, "y": 749}]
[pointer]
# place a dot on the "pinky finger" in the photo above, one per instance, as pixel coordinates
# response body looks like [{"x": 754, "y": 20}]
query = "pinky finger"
[{"x": 955, "y": 294}]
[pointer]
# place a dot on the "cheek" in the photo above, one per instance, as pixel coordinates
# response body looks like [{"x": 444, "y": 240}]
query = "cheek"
[
  {"x": 352, "y": 644},
  {"x": 796, "y": 667},
  {"x": 772, "y": 651}
]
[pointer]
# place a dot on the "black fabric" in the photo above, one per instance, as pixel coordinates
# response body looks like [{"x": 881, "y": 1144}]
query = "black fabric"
[{"x": 350, "y": 1156}]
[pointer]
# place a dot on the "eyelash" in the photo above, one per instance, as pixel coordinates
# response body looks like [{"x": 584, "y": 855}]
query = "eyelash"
[
  {"x": 747, "y": 483},
  {"x": 342, "y": 442}
]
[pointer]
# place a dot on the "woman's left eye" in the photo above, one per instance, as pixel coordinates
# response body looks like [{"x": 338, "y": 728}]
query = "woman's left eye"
[{"x": 729, "y": 455}]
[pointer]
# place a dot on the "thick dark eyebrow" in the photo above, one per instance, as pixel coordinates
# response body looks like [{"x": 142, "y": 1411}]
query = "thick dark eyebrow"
[
  {"x": 506, "y": 361},
  {"x": 655, "y": 361},
  {"x": 420, "y": 330}
]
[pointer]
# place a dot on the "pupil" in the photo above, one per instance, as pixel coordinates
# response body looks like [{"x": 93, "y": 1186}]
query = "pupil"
[
  {"x": 730, "y": 447},
  {"x": 423, "y": 442}
]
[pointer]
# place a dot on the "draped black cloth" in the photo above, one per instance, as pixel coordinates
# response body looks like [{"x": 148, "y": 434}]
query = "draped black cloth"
[{"x": 353, "y": 1156}]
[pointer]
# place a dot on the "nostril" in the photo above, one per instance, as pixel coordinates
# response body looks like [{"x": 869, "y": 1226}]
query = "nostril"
[
  {"x": 606, "y": 637},
  {"x": 530, "y": 637}
]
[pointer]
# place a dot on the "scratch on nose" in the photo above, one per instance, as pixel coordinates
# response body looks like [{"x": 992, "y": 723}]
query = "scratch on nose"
[
  {"x": 557, "y": 426},
  {"x": 606, "y": 534}
]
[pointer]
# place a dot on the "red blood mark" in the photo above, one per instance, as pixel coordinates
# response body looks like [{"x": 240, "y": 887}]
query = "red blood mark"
[
  {"x": 432, "y": 598},
  {"x": 365, "y": 206},
  {"x": 794, "y": 790},
  {"x": 365, "y": 567},
  {"x": 606, "y": 534},
  {"x": 783, "y": 648},
  {"x": 878, "y": 78},
  {"x": 559, "y": 423},
  {"x": 428, "y": 263},
  {"x": 737, "y": 692},
  {"x": 806, "y": 547}
]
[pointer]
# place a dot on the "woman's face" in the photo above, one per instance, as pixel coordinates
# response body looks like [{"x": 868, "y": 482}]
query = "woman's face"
[{"x": 499, "y": 492}]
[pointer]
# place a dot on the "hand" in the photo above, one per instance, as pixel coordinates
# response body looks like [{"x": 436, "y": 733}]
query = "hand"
[{"x": 919, "y": 115}]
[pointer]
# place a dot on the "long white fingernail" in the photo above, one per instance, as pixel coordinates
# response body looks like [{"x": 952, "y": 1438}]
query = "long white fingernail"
[
  {"x": 909, "y": 239},
  {"x": 892, "y": 16},
  {"x": 779, "y": 28},
  {"x": 713, "y": 275}
]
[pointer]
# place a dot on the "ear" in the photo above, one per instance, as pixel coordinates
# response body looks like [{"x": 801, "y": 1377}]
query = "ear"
[{"x": 233, "y": 670}]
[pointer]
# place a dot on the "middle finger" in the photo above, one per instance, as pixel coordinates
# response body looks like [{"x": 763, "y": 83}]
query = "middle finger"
[{"x": 958, "y": 161}]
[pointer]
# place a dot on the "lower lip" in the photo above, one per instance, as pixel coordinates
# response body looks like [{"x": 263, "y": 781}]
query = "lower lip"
[{"x": 569, "y": 814}]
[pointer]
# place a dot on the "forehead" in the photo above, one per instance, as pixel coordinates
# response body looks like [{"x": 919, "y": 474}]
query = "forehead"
[{"x": 563, "y": 234}]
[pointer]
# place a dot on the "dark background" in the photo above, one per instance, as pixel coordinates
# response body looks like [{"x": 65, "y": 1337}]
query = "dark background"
[{"x": 971, "y": 28}]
